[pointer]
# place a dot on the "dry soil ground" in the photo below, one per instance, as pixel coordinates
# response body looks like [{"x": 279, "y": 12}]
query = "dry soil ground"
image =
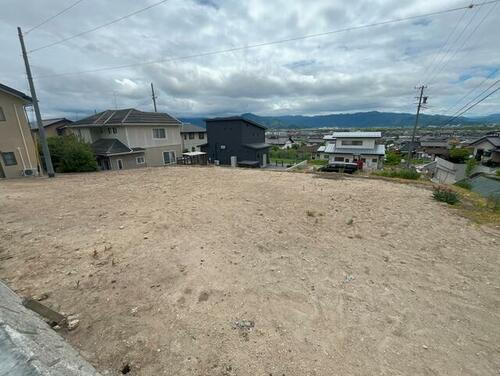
[{"x": 213, "y": 271}]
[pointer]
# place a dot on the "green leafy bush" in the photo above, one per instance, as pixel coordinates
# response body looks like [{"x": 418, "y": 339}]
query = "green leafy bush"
[
  {"x": 405, "y": 173},
  {"x": 392, "y": 158},
  {"x": 459, "y": 155},
  {"x": 464, "y": 184},
  {"x": 445, "y": 194},
  {"x": 498, "y": 173},
  {"x": 69, "y": 154},
  {"x": 470, "y": 166}
]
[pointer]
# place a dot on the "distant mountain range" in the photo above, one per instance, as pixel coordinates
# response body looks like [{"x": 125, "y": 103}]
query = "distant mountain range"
[{"x": 373, "y": 119}]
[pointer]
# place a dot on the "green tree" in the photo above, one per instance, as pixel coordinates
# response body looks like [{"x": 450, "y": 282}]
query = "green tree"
[
  {"x": 459, "y": 155},
  {"x": 392, "y": 158},
  {"x": 69, "y": 154}
]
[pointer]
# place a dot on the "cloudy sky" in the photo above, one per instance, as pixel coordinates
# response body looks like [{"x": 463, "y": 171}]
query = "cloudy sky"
[{"x": 363, "y": 70}]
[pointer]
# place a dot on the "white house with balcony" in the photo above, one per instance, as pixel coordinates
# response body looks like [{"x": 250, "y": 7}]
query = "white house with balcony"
[{"x": 351, "y": 147}]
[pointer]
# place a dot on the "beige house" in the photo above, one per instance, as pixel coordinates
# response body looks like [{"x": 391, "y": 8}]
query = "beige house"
[
  {"x": 129, "y": 138},
  {"x": 18, "y": 155},
  {"x": 53, "y": 127},
  {"x": 193, "y": 137}
]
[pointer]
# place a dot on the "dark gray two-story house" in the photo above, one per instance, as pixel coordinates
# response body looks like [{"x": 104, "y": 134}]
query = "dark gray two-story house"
[{"x": 238, "y": 137}]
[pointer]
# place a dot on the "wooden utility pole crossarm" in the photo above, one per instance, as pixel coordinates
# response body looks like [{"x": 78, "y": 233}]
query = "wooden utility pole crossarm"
[{"x": 41, "y": 129}]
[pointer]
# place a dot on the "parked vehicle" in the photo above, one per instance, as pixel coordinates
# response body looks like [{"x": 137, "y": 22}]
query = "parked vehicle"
[{"x": 348, "y": 168}]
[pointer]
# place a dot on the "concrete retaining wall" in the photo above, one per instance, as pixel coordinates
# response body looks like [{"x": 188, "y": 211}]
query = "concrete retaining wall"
[{"x": 29, "y": 347}]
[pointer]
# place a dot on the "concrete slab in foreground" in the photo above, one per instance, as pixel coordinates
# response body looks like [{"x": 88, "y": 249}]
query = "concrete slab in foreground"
[{"x": 28, "y": 346}]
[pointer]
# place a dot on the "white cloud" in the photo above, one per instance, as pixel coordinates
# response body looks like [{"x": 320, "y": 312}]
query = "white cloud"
[{"x": 369, "y": 69}]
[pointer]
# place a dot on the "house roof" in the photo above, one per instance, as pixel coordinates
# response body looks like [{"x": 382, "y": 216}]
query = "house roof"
[
  {"x": 110, "y": 146},
  {"x": 257, "y": 146},
  {"x": 233, "y": 118},
  {"x": 128, "y": 116},
  {"x": 494, "y": 140},
  {"x": 15, "y": 92},
  {"x": 48, "y": 122},
  {"x": 434, "y": 144},
  {"x": 356, "y": 134},
  {"x": 188, "y": 127},
  {"x": 321, "y": 149},
  {"x": 332, "y": 149}
]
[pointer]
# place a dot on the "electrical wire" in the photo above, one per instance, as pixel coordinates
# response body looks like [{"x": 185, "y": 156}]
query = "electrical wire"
[
  {"x": 436, "y": 74},
  {"x": 428, "y": 69},
  {"x": 492, "y": 74},
  {"x": 98, "y": 27},
  {"x": 54, "y": 16},
  {"x": 270, "y": 43}
]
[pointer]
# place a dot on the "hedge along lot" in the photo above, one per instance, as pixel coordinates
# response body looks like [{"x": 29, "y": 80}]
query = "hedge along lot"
[{"x": 241, "y": 277}]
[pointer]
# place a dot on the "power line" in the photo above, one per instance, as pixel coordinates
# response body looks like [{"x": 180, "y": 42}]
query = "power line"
[
  {"x": 476, "y": 97},
  {"x": 99, "y": 27},
  {"x": 446, "y": 42},
  {"x": 450, "y": 48},
  {"x": 464, "y": 42},
  {"x": 452, "y": 118},
  {"x": 493, "y": 73},
  {"x": 54, "y": 16},
  {"x": 270, "y": 43}
]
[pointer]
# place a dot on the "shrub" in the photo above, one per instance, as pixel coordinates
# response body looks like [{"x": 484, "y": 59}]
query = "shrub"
[
  {"x": 498, "y": 173},
  {"x": 445, "y": 194},
  {"x": 392, "y": 158},
  {"x": 402, "y": 174},
  {"x": 464, "y": 184},
  {"x": 470, "y": 166},
  {"x": 69, "y": 154},
  {"x": 493, "y": 202},
  {"x": 459, "y": 155}
]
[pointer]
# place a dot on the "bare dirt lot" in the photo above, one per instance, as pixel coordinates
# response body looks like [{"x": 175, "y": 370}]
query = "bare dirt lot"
[{"x": 213, "y": 271}]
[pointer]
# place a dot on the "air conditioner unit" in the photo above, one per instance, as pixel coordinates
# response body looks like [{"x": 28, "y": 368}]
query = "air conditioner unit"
[{"x": 30, "y": 172}]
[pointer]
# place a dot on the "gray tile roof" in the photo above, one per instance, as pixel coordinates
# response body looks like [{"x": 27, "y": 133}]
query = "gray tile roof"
[
  {"x": 110, "y": 146},
  {"x": 48, "y": 122},
  {"x": 128, "y": 116},
  {"x": 15, "y": 92},
  {"x": 232, "y": 118},
  {"x": 355, "y": 135},
  {"x": 257, "y": 146},
  {"x": 188, "y": 127},
  {"x": 494, "y": 140},
  {"x": 378, "y": 150}
]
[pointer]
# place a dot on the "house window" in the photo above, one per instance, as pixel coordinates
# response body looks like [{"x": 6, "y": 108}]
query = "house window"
[
  {"x": 201, "y": 135},
  {"x": 9, "y": 158},
  {"x": 140, "y": 160},
  {"x": 338, "y": 159},
  {"x": 363, "y": 160},
  {"x": 115, "y": 131},
  {"x": 168, "y": 157},
  {"x": 2, "y": 115},
  {"x": 159, "y": 133},
  {"x": 119, "y": 162},
  {"x": 351, "y": 142},
  {"x": 109, "y": 130},
  {"x": 374, "y": 160},
  {"x": 185, "y": 136},
  {"x": 191, "y": 135}
]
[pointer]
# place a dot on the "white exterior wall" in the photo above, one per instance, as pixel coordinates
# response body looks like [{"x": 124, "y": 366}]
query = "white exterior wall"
[
  {"x": 368, "y": 143},
  {"x": 121, "y": 134},
  {"x": 448, "y": 172},
  {"x": 141, "y": 136}
]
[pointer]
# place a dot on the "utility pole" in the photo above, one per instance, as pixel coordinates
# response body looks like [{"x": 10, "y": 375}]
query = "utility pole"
[
  {"x": 153, "y": 96},
  {"x": 41, "y": 129},
  {"x": 421, "y": 101}
]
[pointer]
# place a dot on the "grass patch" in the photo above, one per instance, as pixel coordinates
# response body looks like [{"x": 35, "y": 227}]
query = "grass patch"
[
  {"x": 445, "y": 194},
  {"x": 408, "y": 174},
  {"x": 464, "y": 184}
]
